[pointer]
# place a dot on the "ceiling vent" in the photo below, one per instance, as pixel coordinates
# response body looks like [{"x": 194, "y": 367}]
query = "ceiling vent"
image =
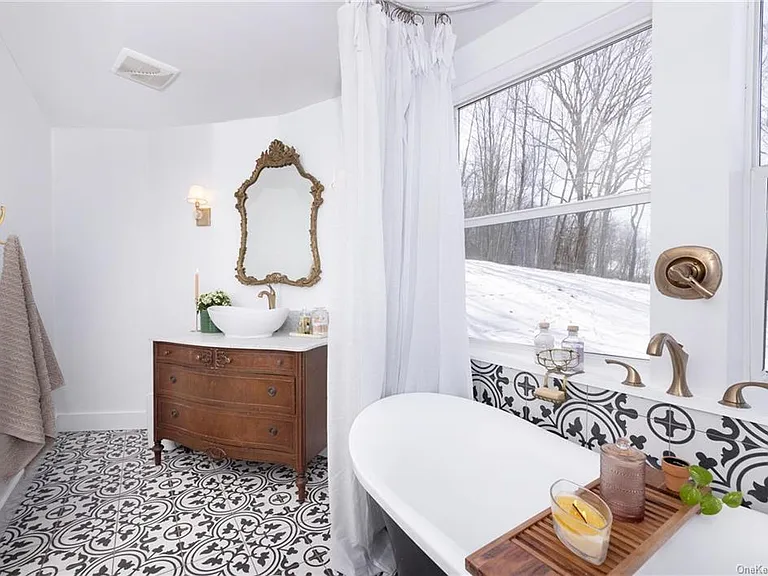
[{"x": 144, "y": 70}]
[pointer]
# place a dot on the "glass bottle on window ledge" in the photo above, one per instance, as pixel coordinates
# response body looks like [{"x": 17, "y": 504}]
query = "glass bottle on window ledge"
[
  {"x": 544, "y": 340},
  {"x": 575, "y": 343}
]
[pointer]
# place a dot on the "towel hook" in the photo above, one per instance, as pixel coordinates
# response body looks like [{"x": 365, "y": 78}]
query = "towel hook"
[{"x": 2, "y": 217}]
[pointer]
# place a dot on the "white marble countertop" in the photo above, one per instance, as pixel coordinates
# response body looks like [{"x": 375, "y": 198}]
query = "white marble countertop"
[
  {"x": 278, "y": 342},
  {"x": 456, "y": 474}
]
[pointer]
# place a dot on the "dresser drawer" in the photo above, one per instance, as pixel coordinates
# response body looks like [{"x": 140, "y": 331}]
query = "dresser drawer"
[
  {"x": 192, "y": 356},
  {"x": 234, "y": 428},
  {"x": 256, "y": 361},
  {"x": 266, "y": 392}
]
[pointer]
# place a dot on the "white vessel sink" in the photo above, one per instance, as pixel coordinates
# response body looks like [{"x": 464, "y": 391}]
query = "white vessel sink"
[{"x": 238, "y": 322}]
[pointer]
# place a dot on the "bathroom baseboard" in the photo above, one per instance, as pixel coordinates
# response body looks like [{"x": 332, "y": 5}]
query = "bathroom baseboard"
[{"x": 75, "y": 422}]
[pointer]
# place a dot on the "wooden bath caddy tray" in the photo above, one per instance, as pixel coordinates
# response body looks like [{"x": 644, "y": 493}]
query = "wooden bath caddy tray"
[{"x": 533, "y": 548}]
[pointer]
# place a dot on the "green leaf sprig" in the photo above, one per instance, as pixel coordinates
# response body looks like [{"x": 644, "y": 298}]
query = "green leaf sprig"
[{"x": 691, "y": 493}]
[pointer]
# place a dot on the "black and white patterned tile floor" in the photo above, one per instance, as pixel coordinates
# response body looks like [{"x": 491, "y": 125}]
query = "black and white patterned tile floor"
[{"x": 98, "y": 506}]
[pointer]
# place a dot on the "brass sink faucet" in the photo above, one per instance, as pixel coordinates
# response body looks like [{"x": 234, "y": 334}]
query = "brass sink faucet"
[
  {"x": 271, "y": 296},
  {"x": 679, "y": 386},
  {"x": 733, "y": 396}
]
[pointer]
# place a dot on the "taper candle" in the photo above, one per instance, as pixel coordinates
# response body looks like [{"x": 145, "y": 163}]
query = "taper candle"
[{"x": 197, "y": 294}]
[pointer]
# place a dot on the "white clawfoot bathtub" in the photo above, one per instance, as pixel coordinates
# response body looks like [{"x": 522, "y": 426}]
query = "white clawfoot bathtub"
[{"x": 454, "y": 474}]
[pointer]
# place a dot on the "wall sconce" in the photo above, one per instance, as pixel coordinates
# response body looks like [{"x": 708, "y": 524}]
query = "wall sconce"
[{"x": 198, "y": 197}]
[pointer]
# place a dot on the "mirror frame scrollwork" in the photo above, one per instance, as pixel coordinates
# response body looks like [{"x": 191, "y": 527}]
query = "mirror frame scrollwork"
[{"x": 279, "y": 155}]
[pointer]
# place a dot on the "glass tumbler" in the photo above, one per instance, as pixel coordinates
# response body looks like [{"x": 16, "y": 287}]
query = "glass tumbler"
[{"x": 582, "y": 520}]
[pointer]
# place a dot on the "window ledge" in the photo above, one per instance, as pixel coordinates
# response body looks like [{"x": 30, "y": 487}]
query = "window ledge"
[{"x": 600, "y": 375}]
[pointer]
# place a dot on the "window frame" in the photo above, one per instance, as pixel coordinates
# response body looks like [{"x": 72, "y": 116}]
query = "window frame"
[
  {"x": 756, "y": 205},
  {"x": 576, "y": 207}
]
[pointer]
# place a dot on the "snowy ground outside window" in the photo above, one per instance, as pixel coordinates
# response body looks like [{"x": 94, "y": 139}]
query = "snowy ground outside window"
[{"x": 506, "y": 303}]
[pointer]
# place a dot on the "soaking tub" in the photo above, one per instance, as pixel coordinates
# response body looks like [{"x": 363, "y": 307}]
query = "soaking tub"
[{"x": 453, "y": 474}]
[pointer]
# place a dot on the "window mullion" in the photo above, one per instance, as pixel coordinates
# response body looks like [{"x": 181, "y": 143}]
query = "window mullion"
[{"x": 602, "y": 203}]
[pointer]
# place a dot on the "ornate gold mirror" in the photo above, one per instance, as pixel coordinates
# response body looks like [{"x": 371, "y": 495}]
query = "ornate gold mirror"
[{"x": 278, "y": 221}]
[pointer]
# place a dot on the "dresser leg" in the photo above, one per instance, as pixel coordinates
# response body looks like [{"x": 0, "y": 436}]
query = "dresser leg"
[
  {"x": 301, "y": 484},
  {"x": 158, "y": 450}
]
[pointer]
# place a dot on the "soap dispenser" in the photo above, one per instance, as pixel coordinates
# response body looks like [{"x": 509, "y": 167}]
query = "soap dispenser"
[{"x": 622, "y": 480}]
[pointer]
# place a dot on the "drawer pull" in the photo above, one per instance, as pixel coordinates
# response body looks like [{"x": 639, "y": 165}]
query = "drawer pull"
[
  {"x": 173, "y": 379},
  {"x": 280, "y": 361},
  {"x": 272, "y": 431},
  {"x": 174, "y": 413},
  {"x": 166, "y": 352},
  {"x": 272, "y": 391}
]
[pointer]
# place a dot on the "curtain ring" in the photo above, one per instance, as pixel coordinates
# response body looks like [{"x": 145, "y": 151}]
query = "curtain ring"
[
  {"x": 442, "y": 18},
  {"x": 417, "y": 19}
]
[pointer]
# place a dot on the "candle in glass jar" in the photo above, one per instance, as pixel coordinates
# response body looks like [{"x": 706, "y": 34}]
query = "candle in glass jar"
[{"x": 582, "y": 520}]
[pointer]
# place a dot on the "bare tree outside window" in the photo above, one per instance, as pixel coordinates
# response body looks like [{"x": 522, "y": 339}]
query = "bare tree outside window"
[{"x": 563, "y": 161}]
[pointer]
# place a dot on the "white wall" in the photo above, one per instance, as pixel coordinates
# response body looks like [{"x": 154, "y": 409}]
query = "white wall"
[
  {"x": 128, "y": 252},
  {"x": 25, "y": 191},
  {"x": 699, "y": 162},
  {"x": 25, "y": 181}
]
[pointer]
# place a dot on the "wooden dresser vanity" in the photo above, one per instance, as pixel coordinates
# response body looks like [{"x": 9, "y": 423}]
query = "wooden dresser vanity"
[{"x": 260, "y": 400}]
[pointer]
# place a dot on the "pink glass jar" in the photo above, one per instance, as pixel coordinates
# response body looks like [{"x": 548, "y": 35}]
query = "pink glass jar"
[{"x": 622, "y": 480}]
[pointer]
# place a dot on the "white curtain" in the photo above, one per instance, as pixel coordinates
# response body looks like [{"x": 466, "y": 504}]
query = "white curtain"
[{"x": 398, "y": 321}]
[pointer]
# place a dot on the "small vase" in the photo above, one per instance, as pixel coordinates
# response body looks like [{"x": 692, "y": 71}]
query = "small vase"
[
  {"x": 206, "y": 325},
  {"x": 675, "y": 472}
]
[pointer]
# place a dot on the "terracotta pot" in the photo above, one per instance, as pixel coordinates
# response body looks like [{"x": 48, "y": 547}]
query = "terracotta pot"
[{"x": 675, "y": 472}]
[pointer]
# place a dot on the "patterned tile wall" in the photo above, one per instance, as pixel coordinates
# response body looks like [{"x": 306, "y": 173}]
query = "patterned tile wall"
[{"x": 735, "y": 451}]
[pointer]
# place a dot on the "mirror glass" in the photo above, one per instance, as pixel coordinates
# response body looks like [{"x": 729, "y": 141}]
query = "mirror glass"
[{"x": 278, "y": 206}]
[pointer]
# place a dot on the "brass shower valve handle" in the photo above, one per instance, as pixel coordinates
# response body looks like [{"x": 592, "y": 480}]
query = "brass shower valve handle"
[
  {"x": 688, "y": 272},
  {"x": 687, "y": 275}
]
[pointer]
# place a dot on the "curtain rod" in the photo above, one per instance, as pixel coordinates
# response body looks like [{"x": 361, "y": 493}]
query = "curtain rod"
[{"x": 425, "y": 8}]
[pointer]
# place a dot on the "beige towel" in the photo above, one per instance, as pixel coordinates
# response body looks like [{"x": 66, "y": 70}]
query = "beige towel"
[{"x": 28, "y": 368}]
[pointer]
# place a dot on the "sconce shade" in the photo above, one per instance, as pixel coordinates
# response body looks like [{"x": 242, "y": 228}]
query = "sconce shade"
[{"x": 197, "y": 195}]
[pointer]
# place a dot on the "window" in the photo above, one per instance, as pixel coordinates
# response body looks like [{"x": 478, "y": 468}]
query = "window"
[
  {"x": 759, "y": 201},
  {"x": 555, "y": 173},
  {"x": 763, "y": 86}
]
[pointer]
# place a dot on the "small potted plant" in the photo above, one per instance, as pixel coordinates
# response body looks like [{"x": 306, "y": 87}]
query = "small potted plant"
[
  {"x": 205, "y": 301},
  {"x": 696, "y": 491},
  {"x": 675, "y": 472}
]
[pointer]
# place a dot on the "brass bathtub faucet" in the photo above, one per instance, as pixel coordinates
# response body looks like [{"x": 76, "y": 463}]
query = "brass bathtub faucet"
[{"x": 679, "y": 386}]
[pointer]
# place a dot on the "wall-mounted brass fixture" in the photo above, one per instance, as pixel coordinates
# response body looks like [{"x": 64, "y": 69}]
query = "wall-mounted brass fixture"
[
  {"x": 679, "y": 386},
  {"x": 633, "y": 376},
  {"x": 733, "y": 396},
  {"x": 688, "y": 272},
  {"x": 197, "y": 196}
]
